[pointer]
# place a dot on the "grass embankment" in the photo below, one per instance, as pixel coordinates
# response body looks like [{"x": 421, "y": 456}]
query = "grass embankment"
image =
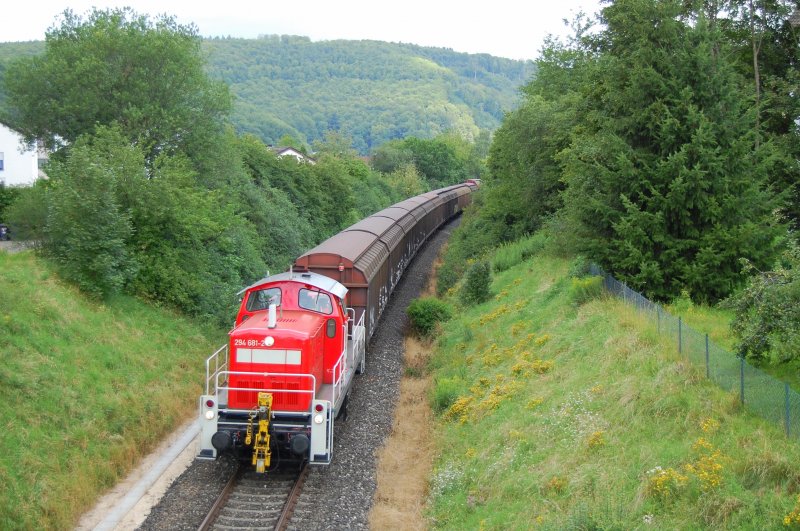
[
  {"x": 86, "y": 388},
  {"x": 553, "y": 415}
]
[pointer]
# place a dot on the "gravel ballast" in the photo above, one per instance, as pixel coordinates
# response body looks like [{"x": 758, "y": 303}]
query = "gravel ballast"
[{"x": 338, "y": 496}]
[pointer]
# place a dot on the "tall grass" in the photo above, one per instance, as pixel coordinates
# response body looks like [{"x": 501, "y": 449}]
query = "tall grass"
[
  {"x": 510, "y": 254},
  {"x": 87, "y": 388},
  {"x": 562, "y": 416}
]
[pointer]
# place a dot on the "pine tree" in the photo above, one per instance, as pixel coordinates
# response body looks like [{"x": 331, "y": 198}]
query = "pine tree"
[{"x": 665, "y": 180}]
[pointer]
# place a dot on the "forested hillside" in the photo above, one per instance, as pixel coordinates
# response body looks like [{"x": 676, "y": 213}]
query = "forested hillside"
[{"x": 371, "y": 91}]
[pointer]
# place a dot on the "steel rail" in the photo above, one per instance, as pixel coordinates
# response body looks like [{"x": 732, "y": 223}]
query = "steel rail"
[
  {"x": 288, "y": 509},
  {"x": 222, "y": 499}
]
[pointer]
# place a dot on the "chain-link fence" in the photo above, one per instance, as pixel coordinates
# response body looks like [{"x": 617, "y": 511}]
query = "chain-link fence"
[{"x": 757, "y": 390}]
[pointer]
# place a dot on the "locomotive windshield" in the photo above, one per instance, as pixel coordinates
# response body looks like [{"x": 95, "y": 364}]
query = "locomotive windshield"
[
  {"x": 315, "y": 301},
  {"x": 261, "y": 299}
]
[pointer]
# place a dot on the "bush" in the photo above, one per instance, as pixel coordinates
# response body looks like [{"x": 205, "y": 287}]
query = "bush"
[
  {"x": 582, "y": 290},
  {"x": 87, "y": 228},
  {"x": 426, "y": 313},
  {"x": 7, "y": 197},
  {"x": 27, "y": 215},
  {"x": 579, "y": 267},
  {"x": 767, "y": 321},
  {"x": 476, "y": 287},
  {"x": 445, "y": 392}
]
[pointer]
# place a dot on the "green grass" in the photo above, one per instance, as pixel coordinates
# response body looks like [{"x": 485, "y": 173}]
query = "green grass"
[
  {"x": 716, "y": 322},
  {"x": 556, "y": 415},
  {"x": 87, "y": 389},
  {"x": 711, "y": 320}
]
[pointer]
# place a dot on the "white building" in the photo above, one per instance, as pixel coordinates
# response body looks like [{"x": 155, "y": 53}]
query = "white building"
[
  {"x": 281, "y": 152},
  {"x": 18, "y": 167}
]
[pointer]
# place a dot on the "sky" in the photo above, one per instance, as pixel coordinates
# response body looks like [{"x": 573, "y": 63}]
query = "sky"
[{"x": 506, "y": 28}]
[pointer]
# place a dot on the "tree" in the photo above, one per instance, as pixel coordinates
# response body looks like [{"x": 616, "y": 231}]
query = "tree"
[
  {"x": 121, "y": 68},
  {"x": 663, "y": 177},
  {"x": 764, "y": 46},
  {"x": 407, "y": 180},
  {"x": 524, "y": 183},
  {"x": 87, "y": 227},
  {"x": 767, "y": 311}
]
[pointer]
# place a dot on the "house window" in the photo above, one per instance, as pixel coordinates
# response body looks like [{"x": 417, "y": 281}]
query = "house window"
[{"x": 2, "y": 167}]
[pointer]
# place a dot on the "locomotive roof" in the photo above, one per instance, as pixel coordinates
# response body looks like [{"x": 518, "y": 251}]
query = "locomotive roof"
[{"x": 313, "y": 279}]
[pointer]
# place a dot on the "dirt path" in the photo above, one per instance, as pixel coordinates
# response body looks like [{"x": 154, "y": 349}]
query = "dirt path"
[{"x": 13, "y": 246}]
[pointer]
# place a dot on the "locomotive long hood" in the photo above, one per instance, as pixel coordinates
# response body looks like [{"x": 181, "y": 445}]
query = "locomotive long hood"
[{"x": 291, "y": 324}]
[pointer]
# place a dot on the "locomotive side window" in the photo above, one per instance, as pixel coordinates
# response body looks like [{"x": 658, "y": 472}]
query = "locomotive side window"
[
  {"x": 261, "y": 299},
  {"x": 315, "y": 301}
]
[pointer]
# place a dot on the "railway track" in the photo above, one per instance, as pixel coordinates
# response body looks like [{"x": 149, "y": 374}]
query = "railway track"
[{"x": 253, "y": 501}]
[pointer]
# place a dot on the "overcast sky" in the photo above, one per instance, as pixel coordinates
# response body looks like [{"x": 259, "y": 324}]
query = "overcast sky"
[{"x": 505, "y": 28}]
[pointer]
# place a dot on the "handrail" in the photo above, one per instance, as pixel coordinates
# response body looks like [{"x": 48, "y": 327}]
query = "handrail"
[
  {"x": 307, "y": 391},
  {"x": 268, "y": 375},
  {"x": 217, "y": 367}
]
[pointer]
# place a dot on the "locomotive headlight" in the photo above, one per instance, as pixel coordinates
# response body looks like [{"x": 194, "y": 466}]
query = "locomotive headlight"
[
  {"x": 269, "y": 341},
  {"x": 209, "y": 414},
  {"x": 318, "y": 419}
]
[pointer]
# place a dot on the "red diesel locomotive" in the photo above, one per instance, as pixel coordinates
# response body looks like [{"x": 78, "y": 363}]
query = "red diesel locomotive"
[{"x": 273, "y": 392}]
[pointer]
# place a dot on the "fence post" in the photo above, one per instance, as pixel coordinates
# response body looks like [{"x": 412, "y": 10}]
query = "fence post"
[
  {"x": 786, "y": 400},
  {"x": 680, "y": 335},
  {"x": 741, "y": 379},
  {"x": 707, "y": 370}
]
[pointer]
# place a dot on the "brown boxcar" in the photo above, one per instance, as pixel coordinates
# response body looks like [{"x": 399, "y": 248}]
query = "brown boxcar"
[{"x": 369, "y": 257}]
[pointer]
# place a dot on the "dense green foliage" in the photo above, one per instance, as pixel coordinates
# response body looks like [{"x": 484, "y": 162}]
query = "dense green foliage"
[
  {"x": 441, "y": 161},
  {"x": 87, "y": 227},
  {"x": 641, "y": 144},
  {"x": 476, "y": 288},
  {"x": 426, "y": 313},
  {"x": 665, "y": 182},
  {"x": 183, "y": 214},
  {"x": 8, "y": 195},
  {"x": 117, "y": 67},
  {"x": 767, "y": 312},
  {"x": 372, "y": 91}
]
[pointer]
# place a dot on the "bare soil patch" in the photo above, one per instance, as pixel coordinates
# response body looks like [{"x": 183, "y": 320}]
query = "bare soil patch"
[{"x": 405, "y": 460}]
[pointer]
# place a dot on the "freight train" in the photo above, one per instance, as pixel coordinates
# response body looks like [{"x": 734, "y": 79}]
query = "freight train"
[{"x": 273, "y": 392}]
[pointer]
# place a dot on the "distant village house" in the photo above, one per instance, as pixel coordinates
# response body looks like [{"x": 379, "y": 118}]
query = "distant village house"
[
  {"x": 281, "y": 152},
  {"x": 19, "y": 166}
]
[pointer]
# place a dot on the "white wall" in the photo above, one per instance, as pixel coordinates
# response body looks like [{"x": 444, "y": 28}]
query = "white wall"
[{"x": 19, "y": 168}]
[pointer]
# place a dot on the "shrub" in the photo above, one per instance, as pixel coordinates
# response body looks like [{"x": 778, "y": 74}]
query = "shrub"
[
  {"x": 579, "y": 267},
  {"x": 426, "y": 313},
  {"x": 584, "y": 289},
  {"x": 767, "y": 320},
  {"x": 87, "y": 228},
  {"x": 476, "y": 287},
  {"x": 27, "y": 215},
  {"x": 7, "y": 197},
  {"x": 445, "y": 392}
]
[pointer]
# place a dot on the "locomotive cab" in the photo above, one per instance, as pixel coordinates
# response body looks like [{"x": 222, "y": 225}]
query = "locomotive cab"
[{"x": 285, "y": 373}]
